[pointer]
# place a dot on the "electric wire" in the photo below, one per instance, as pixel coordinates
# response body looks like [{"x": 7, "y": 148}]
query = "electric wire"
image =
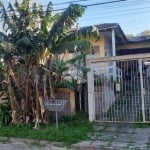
[
  {"x": 89, "y": 5},
  {"x": 116, "y": 12},
  {"x": 106, "y": 15},
  {"x": 60, "y": 9}
]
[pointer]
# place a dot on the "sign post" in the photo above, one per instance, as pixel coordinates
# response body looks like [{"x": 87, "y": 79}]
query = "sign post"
[{"x": 56, "y": 106}]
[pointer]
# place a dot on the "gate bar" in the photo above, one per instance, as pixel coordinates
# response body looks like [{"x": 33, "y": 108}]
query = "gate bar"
[
  {"x": 98, "y": 59},
  {"x": 142, "y": 89}
]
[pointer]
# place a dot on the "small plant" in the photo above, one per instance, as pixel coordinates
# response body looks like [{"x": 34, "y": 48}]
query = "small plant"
[
  {"x": 75, "y": 117},
  {"x": 5, "y": 140},
  {"x": 72, "y": 129},
  {"x": 37, "y": 144},
  {"x": 141, "y": 125},
  {"x": 5, "y": 115}
]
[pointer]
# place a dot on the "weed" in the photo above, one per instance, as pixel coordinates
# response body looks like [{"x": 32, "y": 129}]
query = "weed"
[
  {"x": 37, "y": 144},
  {"x": 5, "y": 117},
  {"x": 141, "y": 125},
  {"x": 69, "y": 132},
  {"x": 110, "y": 142},
  {"x": 5, "y": 140}
]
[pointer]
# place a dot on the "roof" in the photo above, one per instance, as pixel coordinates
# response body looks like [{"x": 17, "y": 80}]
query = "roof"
[
  {"x": 133, "y": 51},
  {"x": 106, "y": 26},
  {"x": 121, "y": 38},
  {"x": 142, "y": 38}
]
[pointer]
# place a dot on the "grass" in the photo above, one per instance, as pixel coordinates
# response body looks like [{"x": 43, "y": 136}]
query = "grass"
[
  {"x": 141, "y": 125},
  {"x": 71, "y": 130}
]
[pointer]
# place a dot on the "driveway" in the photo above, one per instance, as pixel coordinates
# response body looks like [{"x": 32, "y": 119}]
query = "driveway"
[{"x": 117, "y": 137}]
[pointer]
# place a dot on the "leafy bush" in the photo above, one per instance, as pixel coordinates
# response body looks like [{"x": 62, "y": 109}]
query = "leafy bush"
[
  {"x": 74, "y": 117},
  {"x": 5, "y": 114}
]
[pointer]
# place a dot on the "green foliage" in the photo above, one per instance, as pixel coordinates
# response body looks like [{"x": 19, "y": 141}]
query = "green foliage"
[
  {"x": 145, "y": 32},
  {"x": 64, "y": 23},
  {"x": 30, "y": 41},
  {"x": 5, "y": 115},
  {"x": 64, "y": 79},
  {"x": 71, "y": 84},
  {"x": 78, "y": 117},
  {"x": 141, "y": 125},
  {"x": 98, "y": 82},
  {"x": 37, "y": 144},
  {"x": 73, "y": 129}
]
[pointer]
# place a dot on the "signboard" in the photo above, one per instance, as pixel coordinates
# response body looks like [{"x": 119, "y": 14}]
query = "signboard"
[{"x": 55, "y": 105}]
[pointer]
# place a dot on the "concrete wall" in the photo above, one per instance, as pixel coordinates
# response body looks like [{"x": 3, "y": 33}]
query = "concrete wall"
[
  {"x": 68, "y": 94},
  {"x": 108, "y": 43},
  {"x": 101, "y": 45}
]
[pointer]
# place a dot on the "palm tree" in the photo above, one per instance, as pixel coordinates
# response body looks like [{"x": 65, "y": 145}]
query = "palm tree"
[{"x": 31, "y": 39}]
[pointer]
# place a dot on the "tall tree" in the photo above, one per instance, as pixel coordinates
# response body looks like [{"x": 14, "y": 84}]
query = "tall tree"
[
  {"x": 31, "y": 39},
  {"x": 145, "y": 32}
]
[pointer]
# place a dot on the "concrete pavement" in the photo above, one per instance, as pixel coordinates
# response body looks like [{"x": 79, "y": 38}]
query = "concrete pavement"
[
  {"x": 26, "y": 144},
  {"x": 117, "y": 137}
]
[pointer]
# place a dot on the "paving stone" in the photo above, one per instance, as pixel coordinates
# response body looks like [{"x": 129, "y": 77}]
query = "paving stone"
[
  {"x": 137, "y": 147},
  {"x": 142, "y": 130},
  {"x": 140, "y": 141},
  {"x": 106, "y": 133},
  {"x": 105, "y": 137},
  {"x": 141, "y": 138},
  {"x": 82, "y": 143},
  {"x": 119, "y": 137},
  {"x": 119, "y": 144},
  {"x": 91, "y": 147},
  {"x": 122, "y": 137},
  {"x": 98, "y": 128},
  {"x": 100, "y": 143},
  {"x": 94, "y": 136},
  {"x": 126, "y": 130},
  {"x": 111, "y": 129}
]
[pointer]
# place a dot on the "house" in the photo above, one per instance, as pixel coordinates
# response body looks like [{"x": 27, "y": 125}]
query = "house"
[
  {"x": 111, "y": 36},
  {"x": 118, "y": 88},
  {"x": 119, "y": 76}
]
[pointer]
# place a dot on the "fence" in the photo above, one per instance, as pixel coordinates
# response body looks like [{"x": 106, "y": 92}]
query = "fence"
[{"x": 121, "y": 87}]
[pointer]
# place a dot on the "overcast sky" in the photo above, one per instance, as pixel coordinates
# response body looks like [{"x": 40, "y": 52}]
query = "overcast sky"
[{"x": 132, "y": 15}]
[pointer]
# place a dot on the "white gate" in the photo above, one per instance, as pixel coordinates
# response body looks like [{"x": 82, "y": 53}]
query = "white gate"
[{"x": 122, "y": 89}]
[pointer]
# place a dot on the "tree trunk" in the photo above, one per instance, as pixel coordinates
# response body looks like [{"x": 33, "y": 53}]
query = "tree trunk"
[
  {"x": 14, "y": 105},
  {"x": 27, "y": 85},
  {"x": 51, "y": 86},
  {"x": 37, "y": 104},
  {"x": 46, "y": 113},
  {"x": 27, "y": 98}
]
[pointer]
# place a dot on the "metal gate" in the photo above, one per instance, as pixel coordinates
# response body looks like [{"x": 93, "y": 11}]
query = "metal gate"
[{"x": 122, "y": 89}]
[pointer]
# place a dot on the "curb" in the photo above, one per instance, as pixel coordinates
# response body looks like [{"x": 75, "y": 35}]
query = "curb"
[{"x": 92, "y": 147}]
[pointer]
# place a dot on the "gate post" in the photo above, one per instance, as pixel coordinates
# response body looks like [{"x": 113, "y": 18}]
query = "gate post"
[
  {"x": 142, "y": 88},
  {"x": 91, "y": 99}
]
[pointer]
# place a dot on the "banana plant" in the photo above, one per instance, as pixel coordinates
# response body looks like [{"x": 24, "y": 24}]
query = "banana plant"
[{"x": 31, "y": 39}]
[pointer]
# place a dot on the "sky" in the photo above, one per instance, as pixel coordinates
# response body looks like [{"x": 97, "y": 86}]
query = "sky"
[{"x": 132, "y": 15}]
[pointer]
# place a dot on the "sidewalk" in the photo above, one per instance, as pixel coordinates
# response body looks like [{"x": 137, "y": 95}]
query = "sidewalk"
[
  {"x": 26, "y": 144},
  {"x": 117, "y": 137}
]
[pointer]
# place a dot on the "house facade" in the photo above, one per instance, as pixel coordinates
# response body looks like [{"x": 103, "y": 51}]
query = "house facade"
[{"x": 118, "y": 83}]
